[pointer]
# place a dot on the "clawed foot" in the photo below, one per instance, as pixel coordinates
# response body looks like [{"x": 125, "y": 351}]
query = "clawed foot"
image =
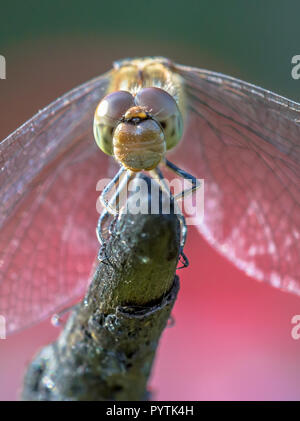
[{"x": 183, "y": 260}]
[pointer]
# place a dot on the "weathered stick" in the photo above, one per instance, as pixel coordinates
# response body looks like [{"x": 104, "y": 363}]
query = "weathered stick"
[{"x": 107, "y": 347}]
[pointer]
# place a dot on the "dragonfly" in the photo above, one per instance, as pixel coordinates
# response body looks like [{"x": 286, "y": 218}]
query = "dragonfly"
[
  {"x": 242, "y": 140},
  {"x": 137, "y": 125}
]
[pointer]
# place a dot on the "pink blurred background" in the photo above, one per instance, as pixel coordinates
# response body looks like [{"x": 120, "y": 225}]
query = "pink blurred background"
[
  {"x": 231, "y": 339},
  {"x": 232, "y": 335}
]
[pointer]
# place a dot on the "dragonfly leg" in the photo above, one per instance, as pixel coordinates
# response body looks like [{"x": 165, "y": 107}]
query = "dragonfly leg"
[
  {"x": 120, "y": 182},
  {"x": 108, "y": 204},
  {"x": 111, "y": 207},
  {"x": 105, "y": 215},
  {"x": 195, "y": 183},
  {"x": 180, "y": 216}
]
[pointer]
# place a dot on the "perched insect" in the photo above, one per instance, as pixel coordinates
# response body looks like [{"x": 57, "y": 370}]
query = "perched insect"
[
  {"x": 139, "y": 120},
  {"x": 242, "y": 140}
]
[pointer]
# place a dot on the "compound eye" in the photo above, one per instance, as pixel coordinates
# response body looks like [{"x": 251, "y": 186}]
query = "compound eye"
[
  {"x": 108, "y": 113},
  {"x": 163, "y": 108},
  {"x": 158, "y": 102}
]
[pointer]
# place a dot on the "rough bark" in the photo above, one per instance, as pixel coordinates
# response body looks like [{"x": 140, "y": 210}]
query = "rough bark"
[{"x": 107, "y": 347}]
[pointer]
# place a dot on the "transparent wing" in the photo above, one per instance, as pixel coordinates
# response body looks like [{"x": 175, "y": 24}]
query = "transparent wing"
[
  {"x": 245, "y": 143},
  {"x": 49, "y": 170}
]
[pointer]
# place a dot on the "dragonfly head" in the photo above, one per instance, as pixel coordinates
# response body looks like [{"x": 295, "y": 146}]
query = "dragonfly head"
[
  {"x": 138, "y": 129},
  {"x": 139, "y": 141}
]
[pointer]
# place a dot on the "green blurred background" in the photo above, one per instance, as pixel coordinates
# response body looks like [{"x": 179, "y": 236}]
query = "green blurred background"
[{"x": 50, "y": 46}]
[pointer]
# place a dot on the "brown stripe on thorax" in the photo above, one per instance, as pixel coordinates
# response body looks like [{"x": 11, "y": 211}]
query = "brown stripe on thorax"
[{"x": 133, "y": 75}]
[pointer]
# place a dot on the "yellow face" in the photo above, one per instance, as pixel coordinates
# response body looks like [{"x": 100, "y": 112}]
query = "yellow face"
[{"x": 138, "y": 128}]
